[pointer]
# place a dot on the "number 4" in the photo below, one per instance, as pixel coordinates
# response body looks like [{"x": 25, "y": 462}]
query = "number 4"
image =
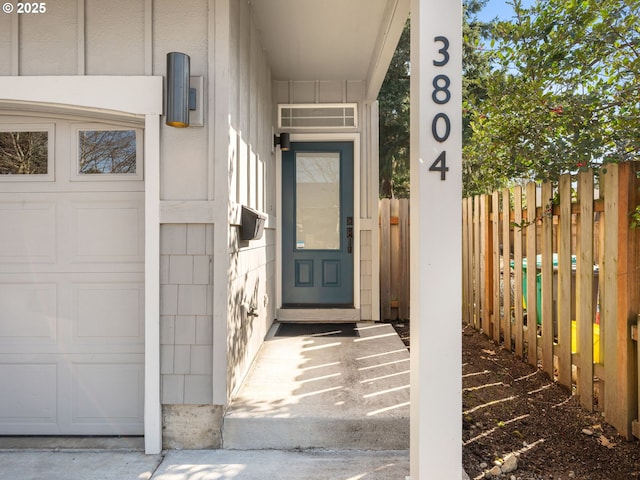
[{"x": 440, "y": 165}]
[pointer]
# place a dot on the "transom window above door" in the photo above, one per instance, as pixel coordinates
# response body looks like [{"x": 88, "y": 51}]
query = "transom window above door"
[
  {"x": 104, "y": 153},
  {"x": 26, "y": 152}
]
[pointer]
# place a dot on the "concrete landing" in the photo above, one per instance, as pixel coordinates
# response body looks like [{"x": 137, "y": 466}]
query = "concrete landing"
[{"x": 324, "y": 392}]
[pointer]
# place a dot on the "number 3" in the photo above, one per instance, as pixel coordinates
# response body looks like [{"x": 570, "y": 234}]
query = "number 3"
[{"x": 443, "y": 51}]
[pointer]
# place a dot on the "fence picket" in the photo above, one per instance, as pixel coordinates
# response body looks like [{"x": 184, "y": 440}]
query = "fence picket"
[
  {"x": 547, "y": 273},
  {"x": 609, "y": 310},
  {"x": 532, "y": 307},
  {"x": 477, "y": 266},
  {"x": 584, "y": 289},
  {"x": 396, "y": 266},
  {"x": 495, "y": 258},
  {"x": 405, "y": 264},
  {"x": 466, "y": 274},
  {"x": 471, "y": 281},
  {"x": 486, "y": 265},
  {"x": 517, "y": 270},
  {"x": 385, "y": 258},
  {"x": 506, "y": 267},
  {"x": 564, "y": 282}
]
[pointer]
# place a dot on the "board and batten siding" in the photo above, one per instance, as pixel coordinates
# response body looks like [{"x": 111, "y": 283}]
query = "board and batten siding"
[
  {"x": 251, "y": 273},
  {"x": 77, "y": 37},
  {"x": 206, "y": 172}
]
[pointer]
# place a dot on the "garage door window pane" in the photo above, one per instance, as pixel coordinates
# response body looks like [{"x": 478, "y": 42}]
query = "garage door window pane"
[
  {"x": 24, "y": 153},
  {"x": 107, "y": 152}
]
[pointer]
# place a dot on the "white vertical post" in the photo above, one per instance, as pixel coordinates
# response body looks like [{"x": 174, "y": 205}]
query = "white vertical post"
[
  {"x": 436, "y": 239},
  {"x": 152, "y": 407},
  {"x": 224, "y": 139}
]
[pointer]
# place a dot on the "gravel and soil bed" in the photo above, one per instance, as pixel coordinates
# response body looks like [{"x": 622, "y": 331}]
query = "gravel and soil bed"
[{"x": 509, "y": 407}]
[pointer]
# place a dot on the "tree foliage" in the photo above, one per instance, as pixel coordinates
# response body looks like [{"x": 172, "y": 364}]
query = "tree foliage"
[
  {"x": 394, "y": 99},
  {"x": 563, "y": 94},
  {"x": 476, "y": 65}
]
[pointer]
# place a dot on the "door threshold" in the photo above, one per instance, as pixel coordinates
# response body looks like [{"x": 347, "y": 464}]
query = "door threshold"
[
  {"x": 323, "y": 315},
  {"x": 318, "y": 306}
]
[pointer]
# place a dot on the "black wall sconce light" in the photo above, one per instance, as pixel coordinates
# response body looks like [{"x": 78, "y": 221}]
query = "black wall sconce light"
[
  {"x": 180, "y": 98},
  {"x": 283, "y": 140}
]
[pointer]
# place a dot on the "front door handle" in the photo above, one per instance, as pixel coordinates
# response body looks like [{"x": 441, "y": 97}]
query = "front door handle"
[{"x": 349, "y": 239}]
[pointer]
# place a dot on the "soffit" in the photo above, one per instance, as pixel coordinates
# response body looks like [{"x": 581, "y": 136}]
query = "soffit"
[{"x": 330, "y": 39}]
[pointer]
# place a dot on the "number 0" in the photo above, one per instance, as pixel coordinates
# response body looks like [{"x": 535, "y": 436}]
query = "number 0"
[{"x": 447, "y": 127}]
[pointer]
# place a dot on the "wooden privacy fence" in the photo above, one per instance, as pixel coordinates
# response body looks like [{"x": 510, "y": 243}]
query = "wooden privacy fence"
[
  {"x": 559, "y": 284},
  {"x": 394, "y": 258}
]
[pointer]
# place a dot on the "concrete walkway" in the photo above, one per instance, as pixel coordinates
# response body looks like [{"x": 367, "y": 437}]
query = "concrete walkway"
[
  {"x": 77, "y": 465},
  {"x": 352, "y": 391},
  {"x": 204, "y": 465},
  {"x": 324, "y": 390}
]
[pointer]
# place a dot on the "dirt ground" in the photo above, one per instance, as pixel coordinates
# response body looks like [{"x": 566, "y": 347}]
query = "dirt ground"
[{"x": 510, "y": 407}]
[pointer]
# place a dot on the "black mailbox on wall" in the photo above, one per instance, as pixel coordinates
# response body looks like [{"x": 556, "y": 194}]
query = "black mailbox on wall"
[{"x": 251, "y": 224}]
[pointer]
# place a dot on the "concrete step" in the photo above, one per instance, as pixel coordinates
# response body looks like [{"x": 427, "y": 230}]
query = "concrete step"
[
  {"x": 309, "y": 433},
  {"x": 324, "y": 392}
]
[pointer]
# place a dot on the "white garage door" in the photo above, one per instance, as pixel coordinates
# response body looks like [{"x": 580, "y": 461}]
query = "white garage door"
[{"x": 71, "y": 277}]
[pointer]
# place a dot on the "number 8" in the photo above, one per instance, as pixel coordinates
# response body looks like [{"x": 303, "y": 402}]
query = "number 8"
[{"x": 437, "y": 89}]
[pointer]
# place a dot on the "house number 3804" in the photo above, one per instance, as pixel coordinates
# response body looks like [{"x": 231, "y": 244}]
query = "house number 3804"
[{"x": 441, "y": 125}]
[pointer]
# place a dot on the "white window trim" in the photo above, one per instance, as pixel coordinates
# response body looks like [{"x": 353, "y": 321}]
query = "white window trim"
[
  {"x": 51, "y": 147},
  {"x": 137, "y": 96}
]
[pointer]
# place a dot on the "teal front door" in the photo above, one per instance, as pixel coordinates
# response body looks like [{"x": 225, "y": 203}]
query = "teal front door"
[{"x": 317, "y": 225}]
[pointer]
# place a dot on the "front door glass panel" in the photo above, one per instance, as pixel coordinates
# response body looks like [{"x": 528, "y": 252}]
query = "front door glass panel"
[{"x": 317, "y": 200}]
